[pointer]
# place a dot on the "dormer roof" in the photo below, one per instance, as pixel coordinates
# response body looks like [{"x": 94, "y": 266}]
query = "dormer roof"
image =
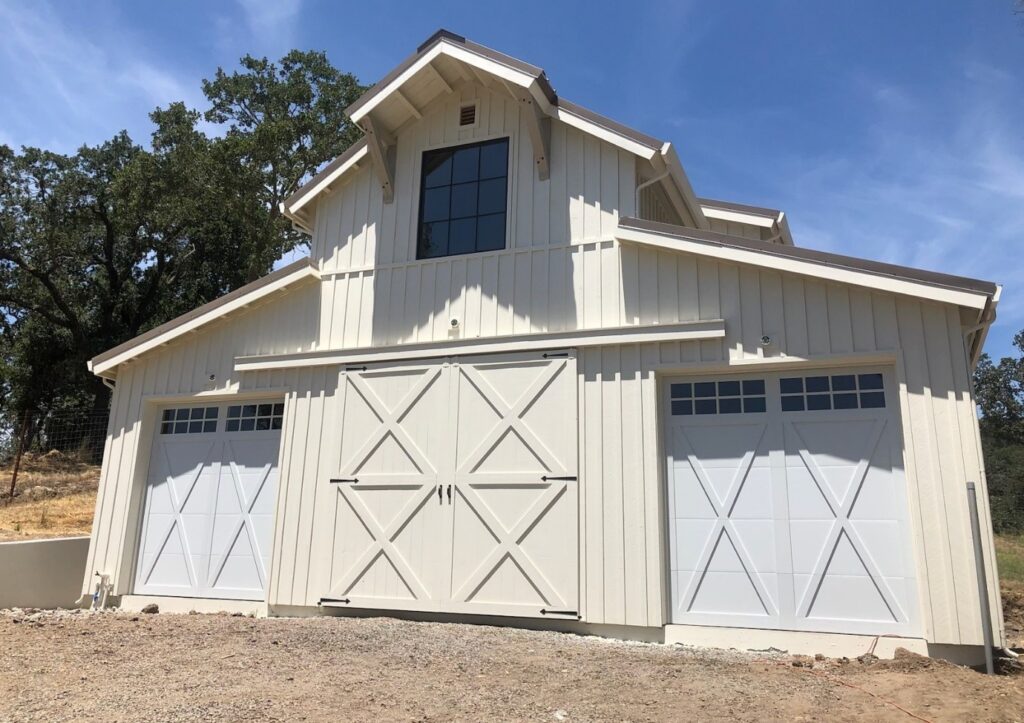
[{"x": 446, "y": 60}]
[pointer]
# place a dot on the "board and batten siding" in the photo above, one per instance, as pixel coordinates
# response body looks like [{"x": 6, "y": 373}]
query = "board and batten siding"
[
  {"x": 375, "y": 292},
  {"x": 621, "y": 458},
  {"x": 621, "y": 465},
  {"x": 284, "y": 323},
  {"x": 743, "y": 230},
  {"x": 591, "y": 184}
]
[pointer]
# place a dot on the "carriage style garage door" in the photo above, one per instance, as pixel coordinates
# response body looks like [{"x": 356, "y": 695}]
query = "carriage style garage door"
[
  {"x": 209, "y": 509},
  {"x": 457, "y": 487},
  {"x": 787, "y": 503}
]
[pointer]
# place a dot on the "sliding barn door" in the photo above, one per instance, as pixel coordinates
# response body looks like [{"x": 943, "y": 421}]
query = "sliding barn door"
[
  {"x": 389, "y": 511},
  {"x": 457, "y": 489},
  {"x": 514, "y": 513}
]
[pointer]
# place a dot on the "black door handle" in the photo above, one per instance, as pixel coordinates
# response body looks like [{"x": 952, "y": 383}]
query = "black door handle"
[
  {"x": 449, "y": 494},
  {"x": 439, "y": 500}
]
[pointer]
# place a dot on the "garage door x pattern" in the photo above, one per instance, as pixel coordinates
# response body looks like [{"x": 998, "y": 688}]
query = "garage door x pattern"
[{"x": 788, "y": 505}]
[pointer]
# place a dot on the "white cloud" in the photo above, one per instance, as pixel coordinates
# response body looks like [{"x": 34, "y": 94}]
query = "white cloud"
[
  {"x": 272, "y": 24},
  {"x": 938, "y": 190},
  {"x": 64, "y": 84}
]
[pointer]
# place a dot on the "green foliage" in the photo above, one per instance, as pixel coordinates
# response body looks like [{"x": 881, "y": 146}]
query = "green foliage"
[
  {"x": 99, "y": 246},
  {"x": 999, "y": 390}
]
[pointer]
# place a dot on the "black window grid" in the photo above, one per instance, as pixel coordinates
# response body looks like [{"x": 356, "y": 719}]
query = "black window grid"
[
  {"x": 258, "y": 417},
  {"x": 824, "y": 392},
  {"x": 725, "y": 396},
  {"x": 189, "y": 420},
  {"x": 489, "y": 222}
]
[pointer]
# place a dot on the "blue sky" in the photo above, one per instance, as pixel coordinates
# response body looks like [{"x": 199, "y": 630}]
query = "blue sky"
[{"x": 889, "y": 130}]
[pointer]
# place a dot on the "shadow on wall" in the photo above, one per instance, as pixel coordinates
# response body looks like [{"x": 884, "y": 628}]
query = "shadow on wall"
[{"x": 517, "y": 290}]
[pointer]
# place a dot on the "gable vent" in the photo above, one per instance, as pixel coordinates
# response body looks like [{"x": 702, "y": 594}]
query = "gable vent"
[{"x": 467, "y": 115}]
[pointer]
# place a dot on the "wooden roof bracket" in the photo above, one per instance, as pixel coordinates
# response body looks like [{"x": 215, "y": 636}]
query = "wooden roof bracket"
[
  {"x": 382, "y": 152},
  {"x": 538, "y": 125}
]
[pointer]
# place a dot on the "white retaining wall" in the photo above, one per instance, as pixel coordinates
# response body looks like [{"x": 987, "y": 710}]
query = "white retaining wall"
[{"x": 42, "y": 573}]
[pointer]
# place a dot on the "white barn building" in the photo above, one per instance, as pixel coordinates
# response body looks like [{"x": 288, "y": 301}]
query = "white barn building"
[{"x": 527, "y": 374}]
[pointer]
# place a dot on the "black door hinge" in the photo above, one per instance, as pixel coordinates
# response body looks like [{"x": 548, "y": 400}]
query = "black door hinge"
[
  {"x": 333, "y": 600},
  {"x": 545, "y": 478},
  {"x": 355, "y": 369},
  {"x": 344, "y": 480},
  {"x": 555, "y": 355}
]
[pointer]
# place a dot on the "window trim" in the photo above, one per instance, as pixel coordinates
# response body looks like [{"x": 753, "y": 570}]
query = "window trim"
[{"x": 509, "y": 179}]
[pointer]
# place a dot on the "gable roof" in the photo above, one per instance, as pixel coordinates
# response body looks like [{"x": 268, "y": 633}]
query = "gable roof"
[
  {"x": 769, "y": 218},
  {"x": 509, "y": 69},
  {"x": 454, "y": 54},
  {"x": 959, "y": 290},
  {"x": 106, "y": 363}
]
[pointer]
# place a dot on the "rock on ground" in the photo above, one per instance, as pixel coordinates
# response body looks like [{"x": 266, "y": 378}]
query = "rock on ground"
[{"x": 76, "y": 665}]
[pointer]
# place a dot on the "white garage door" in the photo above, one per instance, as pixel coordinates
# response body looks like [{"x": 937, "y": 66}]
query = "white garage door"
[
  {"x": 457, "y": 487},
  {"x": 209, "y": 510},
  {"x": 787, "y": 503}
]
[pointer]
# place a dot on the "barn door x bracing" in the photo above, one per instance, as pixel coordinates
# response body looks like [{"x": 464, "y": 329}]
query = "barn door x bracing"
[{"x": 457, "y": 490}]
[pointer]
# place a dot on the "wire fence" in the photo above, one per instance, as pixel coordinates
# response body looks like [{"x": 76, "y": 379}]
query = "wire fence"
[{"x": 65, "y": 436}]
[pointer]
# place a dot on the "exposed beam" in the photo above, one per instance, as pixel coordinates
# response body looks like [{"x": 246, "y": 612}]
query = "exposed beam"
[
  {"x": 461, "y": 67},
  {"x": 437, "y": 74},
  {"x": 538, "y": 125},
  {"x": 482, "y": 78},
  {"x": 378, "y": 141},
  {"x": 408, "y": 104}
]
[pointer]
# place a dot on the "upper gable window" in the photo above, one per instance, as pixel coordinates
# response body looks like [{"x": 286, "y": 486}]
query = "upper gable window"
[{"x": 463, "y": 196}]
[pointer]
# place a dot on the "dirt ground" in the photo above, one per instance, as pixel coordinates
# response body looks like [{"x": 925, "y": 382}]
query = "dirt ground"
[
  {"x": 117, "y": 666},
  {"x": 74, "y": 665},
  {"x": 1013, "y": 613},
  {"x": 55, "y": 496}
]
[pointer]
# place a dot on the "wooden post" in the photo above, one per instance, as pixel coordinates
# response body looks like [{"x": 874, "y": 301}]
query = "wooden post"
[{"x": 17, "y": 456}]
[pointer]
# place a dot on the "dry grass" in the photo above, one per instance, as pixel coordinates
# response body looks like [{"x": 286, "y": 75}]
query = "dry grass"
[
  {"x": 1010, "y": 554},
  {"x": 68, "y": 512}
]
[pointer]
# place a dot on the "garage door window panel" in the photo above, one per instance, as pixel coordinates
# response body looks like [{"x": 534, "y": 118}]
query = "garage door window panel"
[
  {"x": 189, "y": 420},
  {"x": 835, "y": 392},
  {"x": 255, "y": 417},
  {"x": 727, "y": 396}
]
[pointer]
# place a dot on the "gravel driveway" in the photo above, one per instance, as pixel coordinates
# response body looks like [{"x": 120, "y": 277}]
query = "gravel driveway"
[{"x": 114, "y": 666}]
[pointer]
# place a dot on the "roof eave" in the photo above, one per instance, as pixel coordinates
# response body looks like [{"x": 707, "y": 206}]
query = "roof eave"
[
  {"x": 945, "y": 288},
  {"x": 106, "y": 363},
  {"x": 682, "y": 184}
]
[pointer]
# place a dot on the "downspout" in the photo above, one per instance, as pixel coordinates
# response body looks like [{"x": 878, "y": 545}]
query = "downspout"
[
  {"x": 644, "y": 185},
  {"x": 980, "y": 331}
]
